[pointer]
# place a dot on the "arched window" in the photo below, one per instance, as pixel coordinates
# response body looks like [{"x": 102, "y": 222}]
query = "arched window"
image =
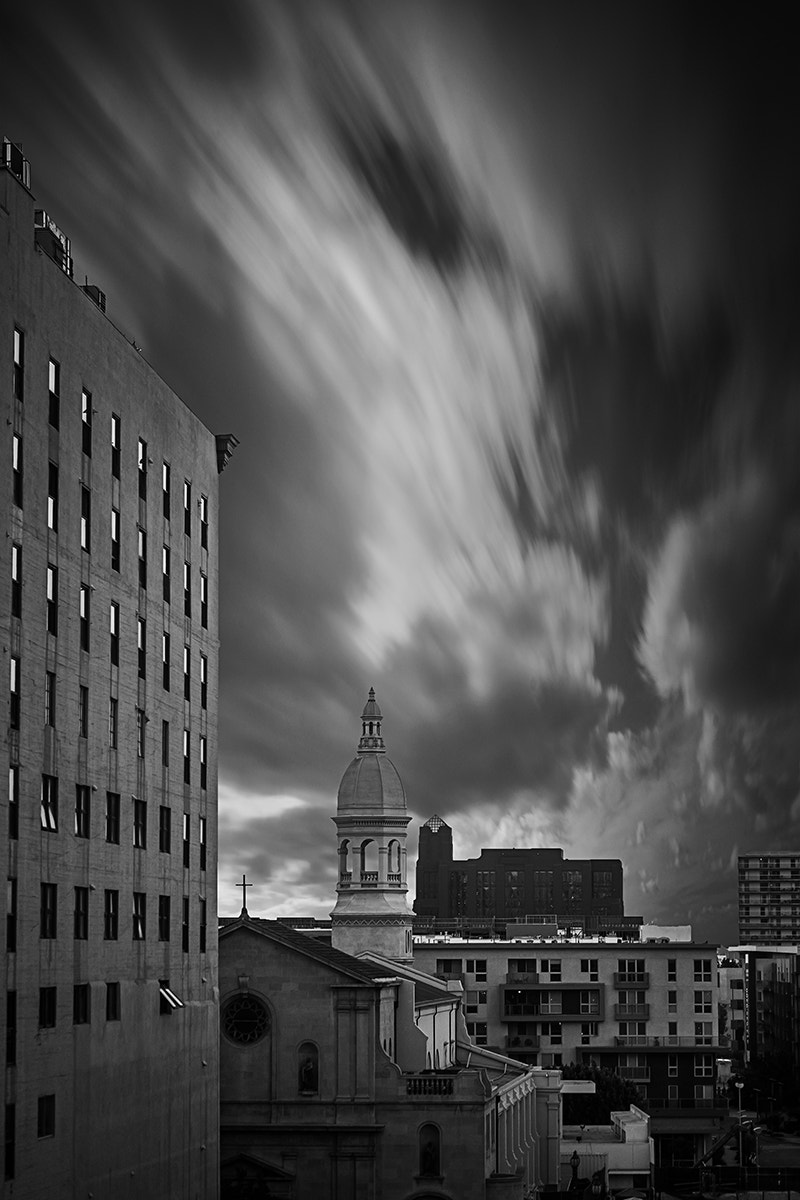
[
  {"x": 369, "y": 857},
  {"x": 429, "y": 1151},
  {"x": 308, "y": 1069},
  {"x": 344, "y": 852},
  {"x": 394, "y": 857}
]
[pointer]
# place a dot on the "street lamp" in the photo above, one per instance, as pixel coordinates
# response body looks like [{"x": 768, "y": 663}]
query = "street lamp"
[
  {"x": 739, "y": 1087},
  {"x": 574, "y": 1162}
]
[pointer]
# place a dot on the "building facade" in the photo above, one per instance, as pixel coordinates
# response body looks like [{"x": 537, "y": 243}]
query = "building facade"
[
  {"x": 646, "y": 1010},
  {"x": 108, "y": 609},
  {"x": 769, "y": 898},
  {"x": 510, "y": 885}
]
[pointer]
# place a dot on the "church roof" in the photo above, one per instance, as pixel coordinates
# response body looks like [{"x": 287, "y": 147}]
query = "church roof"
[
  {"x": 293, "y": 939},
  {"x": 371, "y": 782}
]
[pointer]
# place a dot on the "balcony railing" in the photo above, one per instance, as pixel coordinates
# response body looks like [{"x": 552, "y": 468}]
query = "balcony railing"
[
  {"x": 631, "y": 979},
  {"x": 394, "y": 877},
  {"x": 429, "y": 1085},
  {"x": 369, "y": 878},
  {"x": 520, "y": 1010},
  {"x": 522, "y": 977},
  {"x": 640, "y": 1073},
  {"x": 671, "y": 1039},
  {"x": 632, "y": 1010},
  {"x": 518, "y": 1042}
]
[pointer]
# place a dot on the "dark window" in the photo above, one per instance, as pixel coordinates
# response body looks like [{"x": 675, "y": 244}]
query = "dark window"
[
  {"x": 141, "y": 643},
  {"x": 113, "y": 1006},
  {"x": 16, "y": 469},
  {"x": 139, "y": 916},
  {"x": 49, "y": 805},
  {"x": 203, "y": 601},
  {"x": 16, "y": 580},
  {"x": 429, "y": 1151},
  {"x": 140, "y": 723},
  {"x": 14, "y": 692},
  {"x": 166, "y": 488},
  {"x": 203, "y": 843},
  {"x": 187, "y": 764},
  {"x": 245, "y": 1019},
  {"x": 139, "y": 823},
  {"x": 50, "y": 698},
  {"x": 165, "y": 574},
  {"x": 142, "y": 458},
  {"x": 48, "y": 910},
  {"x": 165, "y": 743},
  {"x": 13, "y": 801},
  {"x": 115, "y": 546},
  {"x": 163, "y": 918},
  {"x": 202, "y": 926},
  {"x": 46, "y": 1118},
  {"x": 165, "y": 661},
  {"x": 185, "y": 926},
  {"x": 203, "y": 681},
  {"x": 165, "y": 829},
  {"x": 187, "y": 589},
  {"x": 204, "y": 522},
  {"x": 82, "y": 801},
  {"x": 112, "y": 817},
  {"x": 11, "y": 1028},
  {"x": 187, "y": 673},
  {"x": 82, "y": 915},
  {"x": 203, "y": 762},
  {"x": 81, "y": 999},
  {"x": 86, "y": 519},
  {"x": 113, "y": 722},
  {"x": 187, "y": 820},
  {"x": 86, "y": 422},
  {"x": 115, "y": 444},
  {"x": 83, "y": 711},
  {"x": 85, "y": 615},
  {"x": 142, "y": 543},
  {"x": 187, "y": 508},
  {"x": 113, "y": 625},
  {"x": 47, "y": 1007},
  {"x": 308, "y": 1069},
  {"x": 11, "y": 916},
  {"x": 19, "y": 365},
  {"x": 168, "y": 1001},
  {"x": 52, "y": 497},
  {"x": 54, "y": 390},
  {"x": 111, "y": 915}
]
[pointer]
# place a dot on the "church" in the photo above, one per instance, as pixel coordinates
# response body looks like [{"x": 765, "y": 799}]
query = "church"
[{"x": 345, "y": 1072}]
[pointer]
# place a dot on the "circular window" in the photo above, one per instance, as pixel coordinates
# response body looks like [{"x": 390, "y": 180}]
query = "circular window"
[{"x": 245, "y": 1019}]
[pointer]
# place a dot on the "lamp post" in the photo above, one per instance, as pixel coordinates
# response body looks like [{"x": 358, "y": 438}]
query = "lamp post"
[
  {"x": 739, "y": 1087},
  {"x": 574, "y": 1162}
]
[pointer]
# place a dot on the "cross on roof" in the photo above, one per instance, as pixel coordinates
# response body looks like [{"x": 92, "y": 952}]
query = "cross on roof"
[{"x": 244, "y": 885}]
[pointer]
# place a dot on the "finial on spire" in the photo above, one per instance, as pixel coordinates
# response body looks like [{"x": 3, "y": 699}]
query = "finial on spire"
[{"x": 371, "y": 740}]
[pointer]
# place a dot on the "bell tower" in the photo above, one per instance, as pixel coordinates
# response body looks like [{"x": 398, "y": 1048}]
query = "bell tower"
[{"x": 372, "y": 912}]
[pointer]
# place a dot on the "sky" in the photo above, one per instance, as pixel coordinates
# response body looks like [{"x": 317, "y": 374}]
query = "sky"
[{"x": 499, "y": 302}]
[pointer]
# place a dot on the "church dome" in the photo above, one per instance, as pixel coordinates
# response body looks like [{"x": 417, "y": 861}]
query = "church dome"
[{"x": 371, "y": 781}]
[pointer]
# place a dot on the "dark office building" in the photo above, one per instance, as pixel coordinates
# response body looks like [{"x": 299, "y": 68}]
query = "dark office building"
[{"x": 513, "y": 884}]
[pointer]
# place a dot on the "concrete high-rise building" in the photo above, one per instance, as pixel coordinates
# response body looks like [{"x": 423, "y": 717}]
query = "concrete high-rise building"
[
  {"x": 769, "y": 898},
  {"x": 108, "y": 613}
]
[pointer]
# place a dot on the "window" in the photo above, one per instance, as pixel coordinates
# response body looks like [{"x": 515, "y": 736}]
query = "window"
[
  {"x": 13, "y": 800},
  {"x": 115, "y": 550},
  {"x": 590, "y": 1002},
  {"x": 203, "y": 762},
  {"x": 477, "y": 1030},
  {"x": 703, "y": 1033},
  {"x": 165, "y": 829},
  {"x": 702, "y": 1002},
  {"x": 163, "y": 918},
  {"x": 449, "y": 968},
  {"x": 16, "y": 469},
  {"x": 187, "y": 768},
  {"x": 186, "y": 838},
  {"x": 672, "y": 1001},
  {"x": 46, "y": 1119},
  {"x": 168, "y": 1001},
  {"x": 589, "y": 967},
  {"x": 49, "y": 805},
  {"x": 50, "y": 698},
  {"x": 116, "y": 430},
  {"x": 187, "y": 508},
  {"x": 47, "y": 1008},
  {"x": 552, "y": 966},
  {"x": 81, "y": 914},
  {"x": 142, "y": 551},
  {"x": 588, "y": 1031},
  {"x": 113, "y": 1006},
  {"x": 139, "y": 823},
  {"x": 203, "y": 681},
  {"x": 308, "y": 1069},
  {"x": 187, "y": 589},
  {"x": 203, "y": 601},
  {"x": 202, "y": 843},
  {"x": 185, "y": 926},
  {"x": 165, "y": 743},
  {"x": 85, "y": 614},
  {"x": 165, "y": 574},
  {"x": 16, "y": 580},
  {"x": 113, "y": 722},
  {"x": 48, "y": 910},
  {"x": 113, "y": 625},
  {"x": 52, "y": 599},
  {"x": 112, "y": 818},
  {"x": 203, "y": 927},
  {"x": 111, "y": 915},
  {"x": 14, "y": 692},
  {"x": 18, "y": 384},
  {"x": 142, "y": 460},
  {"x": 82, "y": 799},
  {"x": 672, "y": 970},
  {"x": 475, "y": 1000},
  {"x": 11, "y": 915},
  {"x": 702, "y": 970},
  {"x": 204, "y": 522},
  {"x": 703, "y": 1093},
  {"x": 672, "y": 1091},
  {"x": 672, "y": 1065},
  {"x": 140, "y": 721},
  {"x": 477, "y": 967},
  {"x": 86, "y": 422},
  {"x": 139, "y": 916},
  {"x": 166, "y": 489},
  {"x": 54, "y": 390},
  {"x": 165, "y": 661},
  {"x": 83, "y": 711},
  {"x": 704, "y": 1065},
  {"x": 52, "y": 497},
  {"x": 141, "y": 643},
  {"x": 81, "y": 998}
]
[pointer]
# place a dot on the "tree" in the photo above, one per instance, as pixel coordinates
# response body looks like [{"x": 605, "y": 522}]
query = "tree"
[{"x": 612, "y": 1094}]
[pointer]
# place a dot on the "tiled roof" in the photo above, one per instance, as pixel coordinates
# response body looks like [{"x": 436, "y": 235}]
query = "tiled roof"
[{"x": 294, "y": 939}]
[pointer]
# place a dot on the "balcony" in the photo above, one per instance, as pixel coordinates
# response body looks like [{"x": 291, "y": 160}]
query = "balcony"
[
  {"x": 512, "y": 1011},
  {"x": 522, "y": 1045},
  {"x": 640, "y": 1074},
  {"x": 424, "y": 1086},
  {"x": 522, "y": 977},
  {"x": 631, "y": 979},
  {"x": 369, "y": 878},
  {"x": 642, "y": 1011},
  {"x": 668, "y": 1040}
]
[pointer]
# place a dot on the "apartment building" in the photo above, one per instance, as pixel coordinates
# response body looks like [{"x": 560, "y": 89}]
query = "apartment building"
[
  {"x": 769, "y": 898},
  {"x": 647, "y": 1010},
  {"x": 108, "y": 611}
]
